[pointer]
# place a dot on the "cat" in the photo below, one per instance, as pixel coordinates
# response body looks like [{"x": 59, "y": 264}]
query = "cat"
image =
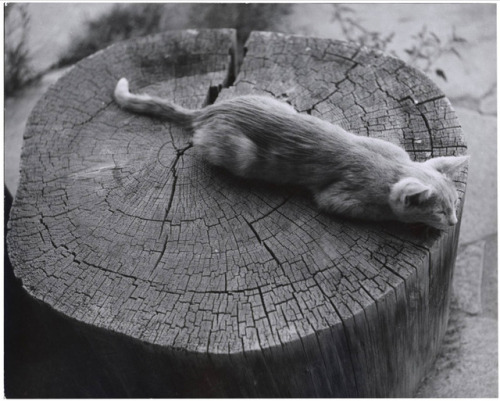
[{"x": 263, "y": 138}]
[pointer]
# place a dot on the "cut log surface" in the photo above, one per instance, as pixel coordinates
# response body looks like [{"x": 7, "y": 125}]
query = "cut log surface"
[{"x": 227, "y": 287}]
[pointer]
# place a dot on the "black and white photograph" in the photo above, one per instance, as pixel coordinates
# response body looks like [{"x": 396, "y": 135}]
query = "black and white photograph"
[{"x": 250, "y": 200}]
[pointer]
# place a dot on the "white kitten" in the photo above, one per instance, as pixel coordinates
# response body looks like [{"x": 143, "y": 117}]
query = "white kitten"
[{"x": 263, "y": 138}]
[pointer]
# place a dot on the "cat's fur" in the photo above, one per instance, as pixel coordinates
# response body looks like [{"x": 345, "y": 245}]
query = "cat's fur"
[{"x": 263, "y": 138}]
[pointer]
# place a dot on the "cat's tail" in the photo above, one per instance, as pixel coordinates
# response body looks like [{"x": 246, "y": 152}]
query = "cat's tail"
[{"x": 152, "y": 105}]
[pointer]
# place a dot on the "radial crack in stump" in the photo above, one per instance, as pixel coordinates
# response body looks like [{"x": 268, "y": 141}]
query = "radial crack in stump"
[{"x": 231, "y": 287}]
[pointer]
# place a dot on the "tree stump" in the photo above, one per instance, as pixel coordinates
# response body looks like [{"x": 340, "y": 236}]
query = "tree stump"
[{"x": 187, "y": 281}]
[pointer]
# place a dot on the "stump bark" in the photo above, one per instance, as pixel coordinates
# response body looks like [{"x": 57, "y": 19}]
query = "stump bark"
[{"x": 187, "y": 281}]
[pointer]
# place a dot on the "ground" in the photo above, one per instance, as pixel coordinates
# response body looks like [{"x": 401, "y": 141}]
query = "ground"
[{"x": 467, "y": 365}]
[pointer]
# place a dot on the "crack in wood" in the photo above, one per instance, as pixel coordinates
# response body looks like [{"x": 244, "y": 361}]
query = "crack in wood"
[
  {"x": 346, "y": 336},
  {"x": 337, "y": 84}
]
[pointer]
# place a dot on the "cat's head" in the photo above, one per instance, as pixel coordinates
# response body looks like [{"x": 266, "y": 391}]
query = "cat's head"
[{"x": 430, "y": 196}]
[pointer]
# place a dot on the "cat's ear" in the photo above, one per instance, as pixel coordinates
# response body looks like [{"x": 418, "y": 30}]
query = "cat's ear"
[
  {"x": 448, "y": 165},
  {"x": 410, "y": 191}
]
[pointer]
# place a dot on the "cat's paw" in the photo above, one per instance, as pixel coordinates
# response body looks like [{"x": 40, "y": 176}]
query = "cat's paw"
[{"x": 122, "y": 90}]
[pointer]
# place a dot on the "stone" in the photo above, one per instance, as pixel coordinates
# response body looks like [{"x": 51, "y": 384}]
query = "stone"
[{"x": 467, "y": 278}]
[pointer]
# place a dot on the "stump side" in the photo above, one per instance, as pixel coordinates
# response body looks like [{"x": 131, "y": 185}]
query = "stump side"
[{"x": 119, "y": 224}]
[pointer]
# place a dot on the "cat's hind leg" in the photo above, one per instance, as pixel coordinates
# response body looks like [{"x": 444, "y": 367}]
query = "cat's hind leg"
[
  {"x": 335, "y": 201},
  {"x": 230, "y": 150}
]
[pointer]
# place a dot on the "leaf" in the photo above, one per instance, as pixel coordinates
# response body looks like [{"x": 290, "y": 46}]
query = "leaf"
[
  {"x": 455, "y": 51},
  {"x": 421, "y": 55},
  {"x": 436, "y": 37},
  {"x": 455, "y": 38},
  {"x": 459, "y": 39},
  {"x": 440, "y": 73}
]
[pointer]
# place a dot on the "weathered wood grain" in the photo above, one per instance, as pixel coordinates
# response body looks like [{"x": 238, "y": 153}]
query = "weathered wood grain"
[{"x": 230, "y": 287}]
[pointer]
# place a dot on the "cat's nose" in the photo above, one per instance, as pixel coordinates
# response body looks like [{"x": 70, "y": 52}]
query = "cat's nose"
[{"x": 453, "y": 220}]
